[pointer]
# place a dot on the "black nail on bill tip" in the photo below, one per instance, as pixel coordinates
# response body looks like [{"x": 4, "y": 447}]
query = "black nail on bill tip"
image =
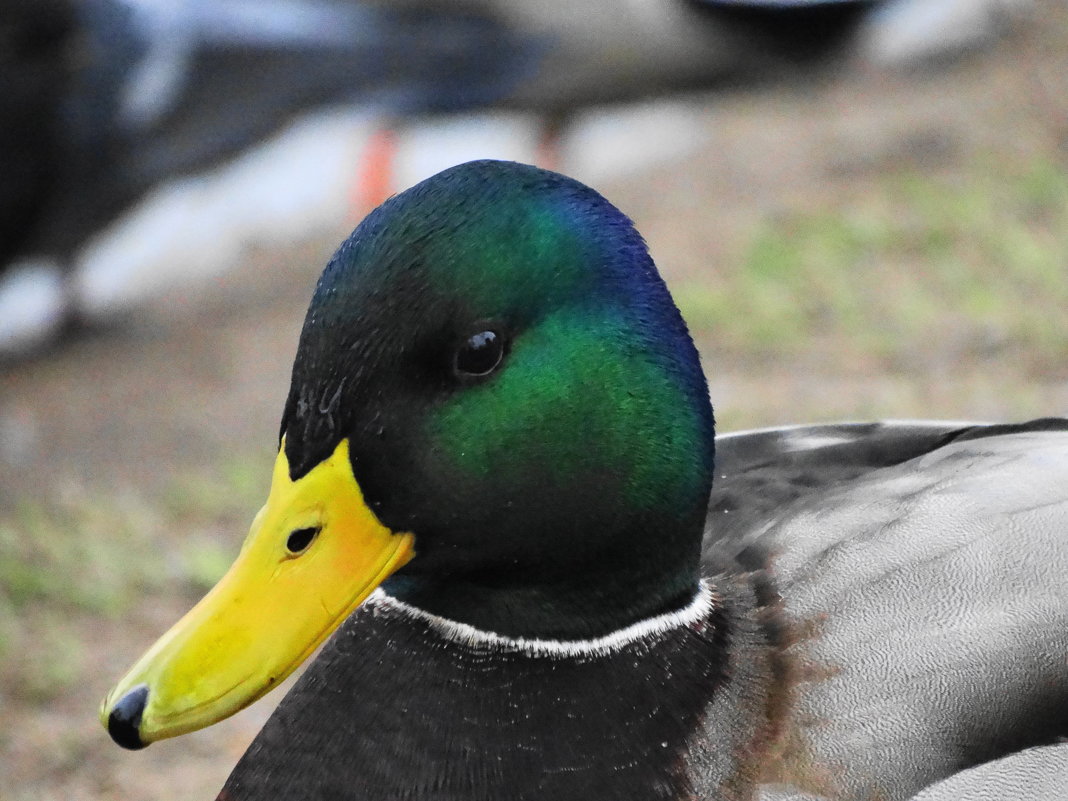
[{"x": 124, "y": 721}]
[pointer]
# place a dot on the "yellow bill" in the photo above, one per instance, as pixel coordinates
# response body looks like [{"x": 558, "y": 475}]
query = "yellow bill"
[{"x": 314, "y": 553}]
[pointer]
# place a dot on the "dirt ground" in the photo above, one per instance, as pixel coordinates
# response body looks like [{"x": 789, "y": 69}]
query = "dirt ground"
[{"x": 188, "y": 392}]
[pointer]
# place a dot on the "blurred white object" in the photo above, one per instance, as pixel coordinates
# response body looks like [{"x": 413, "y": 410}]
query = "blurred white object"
[
  {"x": 428, "y": 147},
  {"x": 908, "y": 32},
  {"x": 606, "y": 144},
  {"x": 32, "y": 305},
  {"x": 195, "y": 229},
  {"x": 301, "y": 181}
]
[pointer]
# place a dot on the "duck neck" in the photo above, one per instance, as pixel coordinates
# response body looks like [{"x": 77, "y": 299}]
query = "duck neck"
[
  {"x": 402, "y": 704},
  {"x": 606, "y": 596}
]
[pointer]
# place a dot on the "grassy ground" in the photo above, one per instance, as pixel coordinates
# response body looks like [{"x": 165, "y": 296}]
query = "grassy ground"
[
  {"x": 872, "y": 247},
  {"x": 990, "y": 250}
]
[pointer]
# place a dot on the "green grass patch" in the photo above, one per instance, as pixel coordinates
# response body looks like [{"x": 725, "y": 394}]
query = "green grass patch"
[
  {"x": 962, "y": 268},
  {"x": 76, "y": 555}
]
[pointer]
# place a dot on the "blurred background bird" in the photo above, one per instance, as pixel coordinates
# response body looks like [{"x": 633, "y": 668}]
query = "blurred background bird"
[{"x": 104, "y": 101}]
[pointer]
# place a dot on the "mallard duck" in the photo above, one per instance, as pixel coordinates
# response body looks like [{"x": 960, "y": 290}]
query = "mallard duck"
[{"x": 497, "y": 474}]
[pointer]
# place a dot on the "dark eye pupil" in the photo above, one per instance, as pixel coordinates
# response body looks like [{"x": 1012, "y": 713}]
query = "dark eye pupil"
[
  {"x": 480, "y": 354},
  {"x": 300, "y": 539}
]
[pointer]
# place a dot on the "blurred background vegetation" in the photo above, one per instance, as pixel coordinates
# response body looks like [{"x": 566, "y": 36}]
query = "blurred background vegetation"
[{"x": 868, "y": 244}]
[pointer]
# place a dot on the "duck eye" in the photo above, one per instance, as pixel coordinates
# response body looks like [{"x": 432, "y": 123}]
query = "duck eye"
[
  {"x": 480, "y": 354},
  {"x": 300, "y": 539}
]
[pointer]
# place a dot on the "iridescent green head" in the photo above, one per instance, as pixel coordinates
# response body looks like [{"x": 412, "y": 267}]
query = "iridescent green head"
[
  {"x": 496, "y": 410},
  {"x": 518, "y": 390}
]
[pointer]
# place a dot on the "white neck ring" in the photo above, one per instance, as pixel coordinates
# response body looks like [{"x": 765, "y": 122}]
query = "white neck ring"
[{"x": 704, "y": 602}]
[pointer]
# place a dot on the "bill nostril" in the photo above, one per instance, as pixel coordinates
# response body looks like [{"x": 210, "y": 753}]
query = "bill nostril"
[{"x": 124, "y": 722}]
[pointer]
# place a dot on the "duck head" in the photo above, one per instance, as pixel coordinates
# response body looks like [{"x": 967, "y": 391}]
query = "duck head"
[{"x": 496, "y": 413}]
